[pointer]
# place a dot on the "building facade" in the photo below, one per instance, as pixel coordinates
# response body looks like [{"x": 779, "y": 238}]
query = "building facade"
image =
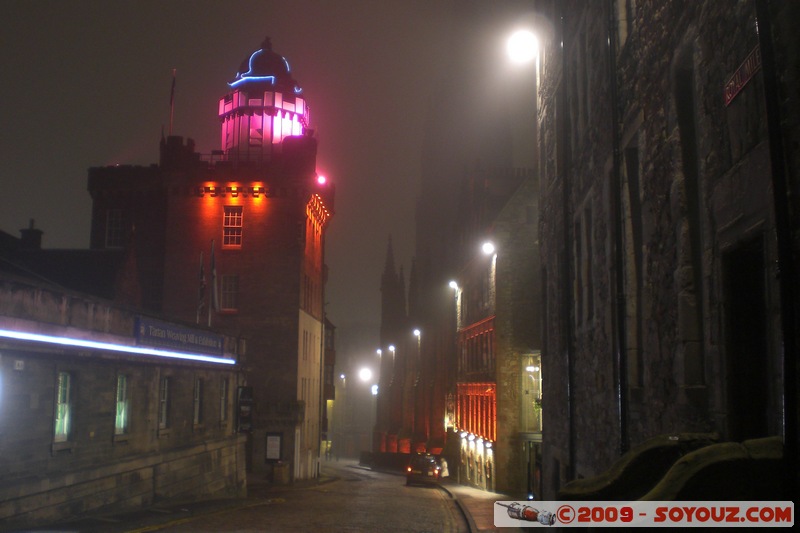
[
  {"x": 666, "y": 135},
  {"x": 235, "y": 240},
  {"x": 104, "y": 408},
  {"x": 498, "y": 408},
  {"x": 477, "y": 183},
  {"x": 666, "y": 182}
]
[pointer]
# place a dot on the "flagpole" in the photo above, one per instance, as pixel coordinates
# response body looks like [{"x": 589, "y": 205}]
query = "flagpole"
[
  {"x": 202, "y": 292},
  {"x": 172, "y": 102}
]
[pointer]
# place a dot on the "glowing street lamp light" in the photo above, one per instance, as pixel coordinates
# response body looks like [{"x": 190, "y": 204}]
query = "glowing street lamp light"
[
  {"x": 379, "y": 352},
  {"x": 374, "y": 390},
  {"x": 522, "y": 46},
  {"x": 488, "y": 248},
  {"x": 365, "y": 374},
  {"x": 417, "y": 333},
  {"x": 453, "y": 285}
]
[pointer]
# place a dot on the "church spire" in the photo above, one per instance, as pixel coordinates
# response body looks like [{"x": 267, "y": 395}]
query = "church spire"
[
  {"x": 393, "y": 299},
  {"x": 389, "y": 270}
]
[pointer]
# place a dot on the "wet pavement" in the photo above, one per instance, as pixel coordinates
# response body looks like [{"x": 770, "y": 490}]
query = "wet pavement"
[{"x": 477, "y": 507}]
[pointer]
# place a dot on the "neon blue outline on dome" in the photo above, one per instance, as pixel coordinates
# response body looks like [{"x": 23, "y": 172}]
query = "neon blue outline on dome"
[
  {"x": 240, "y": 81},
  {"x": 243, "y": 77}
]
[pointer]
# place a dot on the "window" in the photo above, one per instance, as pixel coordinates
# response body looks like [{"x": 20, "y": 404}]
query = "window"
[
  {"x": 232, "y": 226},
  {"x": 223, "y": 400},
  {"x": 625, "y": 19},
  {"x": 121, "y": 422},
  {"x": 163, "y": 403},
  {"x": 197, "y": 417},
  {"x": 115, "y": 234},
  {"x": 229, "y": 293},
  {"x": 532, "y": 392},
  {"x": 63, "y": 407}
]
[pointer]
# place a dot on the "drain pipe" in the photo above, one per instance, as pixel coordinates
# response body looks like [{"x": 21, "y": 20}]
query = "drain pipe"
[
  {"x": 620, "y": 332},
  {"x": 784, "y": 245},
  {"x": 566, "y": 304}
]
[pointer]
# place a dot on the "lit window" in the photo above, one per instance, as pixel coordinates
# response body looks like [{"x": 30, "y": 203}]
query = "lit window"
[
  {"x": 197, "y": 418},
  {"x": 532, "y": 392},
  {"x": 115, "y": 235},
  {"x": 229, "y": 292},
  {"x": 121, "y": 423},
  {"x": 163, "y": 404},
  {"x": 232, "y": 226},
  {"x": 63, "y": 408},
  {"x": 223, "y": 400}
]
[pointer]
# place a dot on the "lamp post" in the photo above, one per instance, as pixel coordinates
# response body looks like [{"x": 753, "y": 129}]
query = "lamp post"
[
  {"x": 523, "y": 49},
  {"x": 418, "y": 335}
]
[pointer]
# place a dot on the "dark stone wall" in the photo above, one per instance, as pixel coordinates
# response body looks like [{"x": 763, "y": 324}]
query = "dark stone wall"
[{"x": 693, "y": 188}]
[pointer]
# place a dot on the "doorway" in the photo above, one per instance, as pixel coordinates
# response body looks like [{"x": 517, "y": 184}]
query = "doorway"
[
  {"x": 744, "y": 293},
  {"x": 533, "y": 452}
]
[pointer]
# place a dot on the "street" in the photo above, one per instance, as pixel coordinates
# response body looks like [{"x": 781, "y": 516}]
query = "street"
[
  {"x": 355, "y": 500},
  {"x": 358, "y": 500}
]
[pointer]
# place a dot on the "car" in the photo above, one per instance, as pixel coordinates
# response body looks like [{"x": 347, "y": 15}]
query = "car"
[{"x": 423, "y": 468}]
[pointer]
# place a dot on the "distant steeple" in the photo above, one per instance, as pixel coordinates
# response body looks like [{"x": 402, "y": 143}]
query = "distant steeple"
[
  {"x": 393, "y": 299},
  {"x": 389, "y": 270}
]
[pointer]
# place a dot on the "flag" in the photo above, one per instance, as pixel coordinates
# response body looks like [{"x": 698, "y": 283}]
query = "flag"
[
  {"x": 214, "y": 304},
  {"x": 201, "y": 296}
]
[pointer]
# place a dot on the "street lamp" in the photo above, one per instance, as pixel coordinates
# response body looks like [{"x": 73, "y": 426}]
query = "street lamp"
[
  {"x": 488, "y": 248},
  {"x": 522, "y": 46},
  {"x": 365, "y": 374}
]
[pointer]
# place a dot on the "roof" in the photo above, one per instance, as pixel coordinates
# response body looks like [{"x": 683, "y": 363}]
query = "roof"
[{"x": 264, "y": 69}]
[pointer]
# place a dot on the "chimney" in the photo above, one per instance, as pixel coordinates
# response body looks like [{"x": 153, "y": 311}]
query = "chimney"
[{"x": 30, "y": 238}]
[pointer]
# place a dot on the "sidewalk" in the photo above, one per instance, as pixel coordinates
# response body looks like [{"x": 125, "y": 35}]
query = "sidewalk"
[{"x": 477, "y": 506}]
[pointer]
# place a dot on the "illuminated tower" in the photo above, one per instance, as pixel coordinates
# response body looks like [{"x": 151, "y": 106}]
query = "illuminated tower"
[
  {"x": 234, "y": 240},
  {"x": 263, "y": 108}
]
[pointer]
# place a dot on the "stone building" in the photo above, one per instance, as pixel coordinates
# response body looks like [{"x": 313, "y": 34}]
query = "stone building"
[
  {"x": 497, "y": 413},
  {"x": 668, "y": 137},
  {"x": 480, "y": 131},
  {"x": 235, "y": 240},
  {"x": 107, "y": 408}
]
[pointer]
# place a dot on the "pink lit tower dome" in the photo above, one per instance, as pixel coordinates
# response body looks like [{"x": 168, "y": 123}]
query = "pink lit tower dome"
[{"x": 264, "y": 106}]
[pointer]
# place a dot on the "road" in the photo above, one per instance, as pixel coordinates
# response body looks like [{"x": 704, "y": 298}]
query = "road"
[{"x": 358, "y": 500}]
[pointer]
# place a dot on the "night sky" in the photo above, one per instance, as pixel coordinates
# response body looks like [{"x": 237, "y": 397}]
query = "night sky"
[{"x": 87, "y": 83}]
